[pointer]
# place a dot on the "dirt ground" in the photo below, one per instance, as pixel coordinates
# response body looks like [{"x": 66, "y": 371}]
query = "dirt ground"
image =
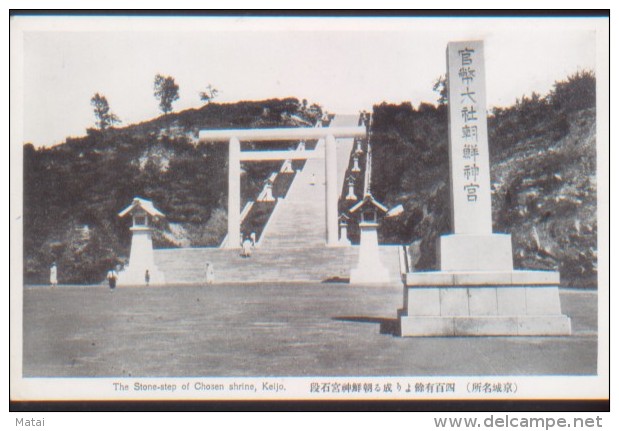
[{"x": 273, "y": 330}]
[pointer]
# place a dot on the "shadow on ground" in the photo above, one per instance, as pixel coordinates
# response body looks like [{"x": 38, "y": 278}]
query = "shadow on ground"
[{"x": 387, "y": 326}]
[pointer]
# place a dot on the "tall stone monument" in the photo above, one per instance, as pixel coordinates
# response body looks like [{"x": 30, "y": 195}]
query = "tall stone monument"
[{"x": 476, "y": 291}]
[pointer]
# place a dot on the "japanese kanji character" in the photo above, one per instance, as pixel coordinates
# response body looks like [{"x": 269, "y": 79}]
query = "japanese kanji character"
[
  {"x": 471, "y": 192},
  {"x": 468, "y": 114},
  {"x": 469, "y": 132},
  {"x": 471, "y": 171},
  {"x": 470, "y": 152},
  {"x": 468, "y": 94},
  {"x": 466, "y": 74},
  {"x": 465, "y": 55}
]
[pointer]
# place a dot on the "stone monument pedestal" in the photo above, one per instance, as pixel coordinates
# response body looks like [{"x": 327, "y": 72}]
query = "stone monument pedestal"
[
  {"x": 441, "y": 303},
  {"x": 475, "y": 252}
]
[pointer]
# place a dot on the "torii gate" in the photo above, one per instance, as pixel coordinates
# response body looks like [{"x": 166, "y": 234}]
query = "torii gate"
[{"x": 234, "y": 138}]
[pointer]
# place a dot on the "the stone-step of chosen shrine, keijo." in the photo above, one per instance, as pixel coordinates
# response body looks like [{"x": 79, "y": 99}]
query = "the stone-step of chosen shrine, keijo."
[{"x": 475, "y": 292}]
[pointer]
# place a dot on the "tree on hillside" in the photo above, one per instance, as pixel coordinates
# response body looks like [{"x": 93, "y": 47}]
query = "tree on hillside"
[
  {"x": 577, "y": 92},
  {"x": 166, "y": 91},
  {"x": 104, "y": 117},
  {"x": 209, "y": 94},
  {"x": 440, "y": 86},
  {"x": 312, "y": 112}
]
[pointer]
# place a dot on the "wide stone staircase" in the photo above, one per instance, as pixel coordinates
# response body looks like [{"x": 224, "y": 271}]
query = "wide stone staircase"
[
  {"x": 299, "y": 219},
  {"x": 293, "y": 264},
  {"x": 310, "y": 264},
  {"x": 292, "y": 247}
]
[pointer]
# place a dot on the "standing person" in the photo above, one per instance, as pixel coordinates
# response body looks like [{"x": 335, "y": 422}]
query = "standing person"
[
  {"x": 111, "y": 278},
  {"x": 247, "y": 247},
  {"x": 147, "y": 277},
  {"x": 253, "y": 239},
  {"x": 210, "y": 273},
  {"x": 313, "y": 180},
  {"x": 53, "y": 275}
]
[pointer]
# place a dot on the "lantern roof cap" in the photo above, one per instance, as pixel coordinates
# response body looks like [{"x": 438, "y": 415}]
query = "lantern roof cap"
[
  {"x": 144, "y": 204},
  {"x": 367, "y": 200}
]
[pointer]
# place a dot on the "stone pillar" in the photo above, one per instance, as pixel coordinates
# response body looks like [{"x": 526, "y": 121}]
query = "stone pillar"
[
  {"x": 141, "y": 258},
  {"x": 344, "y": 241},
  {"x": 141, "y": 254},
  {"x": 331, "y": 190},
  {"x": 234, "y": 194},
  {"x": 468, "y": 139},
  {"x": 369, "y": 269},
  {"x": 472, "y": 246},
  {"x": 355, "y": 167},
  {"x": 351, "y": 191}
]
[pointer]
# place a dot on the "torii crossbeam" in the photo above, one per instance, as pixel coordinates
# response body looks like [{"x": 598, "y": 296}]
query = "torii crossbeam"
[{"x": 234, "y": 138}]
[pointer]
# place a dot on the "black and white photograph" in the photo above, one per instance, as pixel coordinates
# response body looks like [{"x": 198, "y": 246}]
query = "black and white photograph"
[{"x": 306, "y": 208}]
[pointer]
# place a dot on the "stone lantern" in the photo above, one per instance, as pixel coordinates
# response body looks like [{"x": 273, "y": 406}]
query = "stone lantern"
[
  {"x": 344, "y": 219},
  {"x": 267, "y": 192},
  {"x": 358, "y": 149},
  {"x": 355, "y": 161},
  {"x": 369, "y": 268},
  {"x": 351, "y": 189},
  {"x": 141, "y": 257}
]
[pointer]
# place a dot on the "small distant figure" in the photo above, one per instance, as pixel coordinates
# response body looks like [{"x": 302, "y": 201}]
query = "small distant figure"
[
  {"x": 210, "y": 273},
  {"x": 313, "y": 180},
  {"x": 147, "y": 278},
  {"x": 252, "y": 237},
  {"x": 53, "y": 275},
  {"x": 112, "y": 275},
  {"x": 246, "y": 252}
]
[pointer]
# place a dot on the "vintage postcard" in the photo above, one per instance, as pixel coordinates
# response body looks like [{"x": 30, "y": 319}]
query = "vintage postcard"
[{"x": 327, "y": 208}]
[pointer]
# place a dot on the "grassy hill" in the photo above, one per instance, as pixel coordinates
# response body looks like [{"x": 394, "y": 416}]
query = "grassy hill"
[
  {"x": 542, "y": 149},
  {"x": 543, "y": 174},
  {"x": 73, "y": 191}
]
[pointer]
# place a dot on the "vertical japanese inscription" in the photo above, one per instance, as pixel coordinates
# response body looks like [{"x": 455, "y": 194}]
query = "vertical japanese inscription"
[{"x": 468, "y": 139}]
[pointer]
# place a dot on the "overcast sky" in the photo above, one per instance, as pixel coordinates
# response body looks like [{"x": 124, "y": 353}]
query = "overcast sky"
[{"x": 343, "y": 64}]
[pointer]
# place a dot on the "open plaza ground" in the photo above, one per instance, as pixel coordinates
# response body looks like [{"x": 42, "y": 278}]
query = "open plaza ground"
[{"x": 323, "y": 329}]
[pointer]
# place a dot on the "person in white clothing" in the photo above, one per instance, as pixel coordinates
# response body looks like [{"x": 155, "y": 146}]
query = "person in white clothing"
[
  {"x": 210, "y": 273},
  {"x": 246, "y": 248},
  {"x": 53, "y": 275},
  {"x": 112, "y": 275}
]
